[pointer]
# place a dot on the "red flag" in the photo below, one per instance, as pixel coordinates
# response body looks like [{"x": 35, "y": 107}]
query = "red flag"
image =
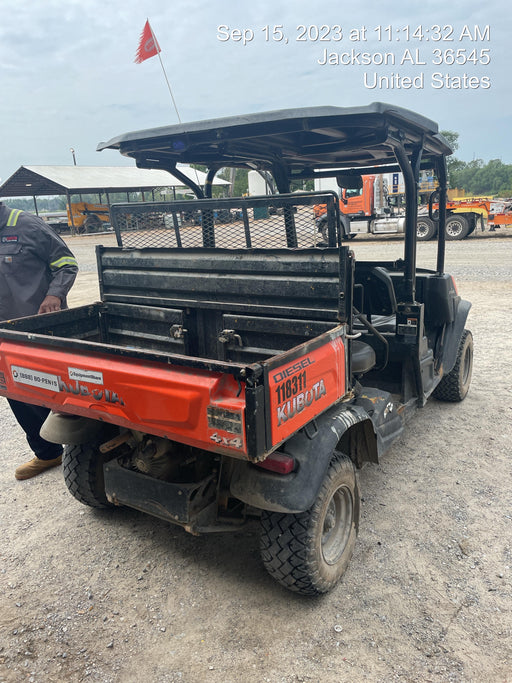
[{"x": 148, "y": 45}]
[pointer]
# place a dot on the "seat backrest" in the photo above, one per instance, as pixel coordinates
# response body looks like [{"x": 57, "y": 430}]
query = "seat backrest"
[{"x": 378, "y": 292}]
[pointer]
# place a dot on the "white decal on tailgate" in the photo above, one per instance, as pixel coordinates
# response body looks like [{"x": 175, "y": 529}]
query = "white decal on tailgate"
[
  {"x": 34, "y": 378},
  {"x": 90, "y": 376}
]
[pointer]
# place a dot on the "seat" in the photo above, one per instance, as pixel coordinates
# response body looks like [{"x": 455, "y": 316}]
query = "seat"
[
  {"x": 362, "y": 358},
  {"x": 378, "y": 294}
]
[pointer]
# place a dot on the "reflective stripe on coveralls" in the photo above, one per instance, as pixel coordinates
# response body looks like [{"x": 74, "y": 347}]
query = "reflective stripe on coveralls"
[
  {"x": 63, "y": 261},
  {"x": 13, "y": 218}
]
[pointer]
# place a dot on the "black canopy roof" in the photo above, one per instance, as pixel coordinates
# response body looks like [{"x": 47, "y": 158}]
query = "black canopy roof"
[{"x": 301, "y": 139}]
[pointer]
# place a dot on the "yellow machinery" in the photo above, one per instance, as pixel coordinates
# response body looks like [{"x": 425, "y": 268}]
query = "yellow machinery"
[{"x": 88, "y": 217}]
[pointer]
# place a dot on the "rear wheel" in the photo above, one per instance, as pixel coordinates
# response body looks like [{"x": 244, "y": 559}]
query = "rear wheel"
[
  {"x": 308, "y": 552},
  {"x": 92, "y": 223},
  {"x": 322, "y": 229},
  {"x": 457, "y": 227},
  {"x": 83, "y": 470},
  {"x": 425, "y": 229},
  {"x": 455, "y": 385}
]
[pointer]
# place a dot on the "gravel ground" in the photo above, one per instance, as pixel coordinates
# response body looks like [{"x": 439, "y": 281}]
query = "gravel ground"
[{"x": 117, "y": 596}]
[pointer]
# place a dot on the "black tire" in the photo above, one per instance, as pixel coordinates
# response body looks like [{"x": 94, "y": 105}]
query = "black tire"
[
  {"x": 425, "y": 229},
  {"x": 455, "y": 385},
  {"x": 309, "y": 552},
  {"x": 457, "y": 227},
  {"x": 83, "y": 470},
  {"x": 322, "y": 229},
  {"x": 92, "y": 223}
]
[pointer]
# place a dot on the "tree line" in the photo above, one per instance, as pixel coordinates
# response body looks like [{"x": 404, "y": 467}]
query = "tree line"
[{"x": 477, "y": 177}]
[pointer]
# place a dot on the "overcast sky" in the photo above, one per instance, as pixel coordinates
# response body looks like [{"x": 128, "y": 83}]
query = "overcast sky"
[{"x": 68, "y": 77}]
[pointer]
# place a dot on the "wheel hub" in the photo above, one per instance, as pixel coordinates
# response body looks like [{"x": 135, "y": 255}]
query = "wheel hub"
[
  {"x": 454, "y": 228},
  {"x": 330, "y": 519},
  {"x": 337, "y": 524}
]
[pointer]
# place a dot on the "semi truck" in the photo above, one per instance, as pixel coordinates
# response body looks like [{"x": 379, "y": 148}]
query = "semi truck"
[{"x": 375, "y": 204}]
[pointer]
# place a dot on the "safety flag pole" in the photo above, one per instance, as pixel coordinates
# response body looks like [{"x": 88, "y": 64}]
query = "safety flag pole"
[{"x": 149, "y": 47}]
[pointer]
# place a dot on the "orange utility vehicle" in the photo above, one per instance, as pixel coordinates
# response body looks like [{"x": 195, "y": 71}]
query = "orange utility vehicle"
[{"x": 232, "y": 371}]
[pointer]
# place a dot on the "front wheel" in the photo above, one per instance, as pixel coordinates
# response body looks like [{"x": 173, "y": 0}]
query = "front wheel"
[
  {"x": 92, "y": 223},
  {"x": 425, "y": 229},
  {"x": 82, "y": 466},
  {"x": 309, "y": 552},
  {"x": 455, "y": 385}
]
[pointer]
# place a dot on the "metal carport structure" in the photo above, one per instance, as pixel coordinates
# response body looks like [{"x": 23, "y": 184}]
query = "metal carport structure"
[{"x": 34, "y": 181}]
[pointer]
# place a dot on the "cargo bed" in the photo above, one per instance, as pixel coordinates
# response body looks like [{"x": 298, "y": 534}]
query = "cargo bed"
[{"x": 229, "y": 350}]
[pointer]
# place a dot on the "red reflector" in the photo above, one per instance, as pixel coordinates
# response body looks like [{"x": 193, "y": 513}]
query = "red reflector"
[
  {"x": 454, "y": 285},
  {"x": 277, "y": 462}
]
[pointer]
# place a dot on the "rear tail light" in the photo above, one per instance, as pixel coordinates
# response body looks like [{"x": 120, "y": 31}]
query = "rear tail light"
[{"x": 279, "y": 463}]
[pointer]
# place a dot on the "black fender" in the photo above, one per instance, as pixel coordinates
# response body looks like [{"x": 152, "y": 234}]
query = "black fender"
[
  {"x": 452, "y": 337},
  {"x": 312, "y": 449}
]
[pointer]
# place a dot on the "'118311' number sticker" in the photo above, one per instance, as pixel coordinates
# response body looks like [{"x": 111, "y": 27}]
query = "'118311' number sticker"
[{"x": 291, "y": 387}]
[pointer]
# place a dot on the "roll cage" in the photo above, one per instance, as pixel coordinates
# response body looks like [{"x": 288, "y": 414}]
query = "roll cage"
[{"x": 307, "y": 143}]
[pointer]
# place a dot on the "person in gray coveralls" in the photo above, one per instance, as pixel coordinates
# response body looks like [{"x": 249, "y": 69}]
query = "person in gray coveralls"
[{"x": 37, "y": 270}]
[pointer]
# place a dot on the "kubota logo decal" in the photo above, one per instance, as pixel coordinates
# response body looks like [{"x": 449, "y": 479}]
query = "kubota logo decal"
[
  {"x": 298, "y": 403},
  {"x": 107, "y": 395}
]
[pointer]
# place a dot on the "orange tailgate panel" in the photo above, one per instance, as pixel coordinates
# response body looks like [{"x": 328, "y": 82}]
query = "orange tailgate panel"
[
  {"x": 160, "y": 399},
  {"x": 303, "y": 388}
]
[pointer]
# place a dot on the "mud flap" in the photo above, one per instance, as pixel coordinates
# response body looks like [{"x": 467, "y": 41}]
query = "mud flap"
[
  {"x": 69, "y": 429},
  {"x": 452, "y": 337}
]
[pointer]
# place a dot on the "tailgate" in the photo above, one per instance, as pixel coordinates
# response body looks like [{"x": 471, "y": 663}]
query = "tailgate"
[
  {"x": 198, "y": 407},
  {"x": 245, "y": 413}
]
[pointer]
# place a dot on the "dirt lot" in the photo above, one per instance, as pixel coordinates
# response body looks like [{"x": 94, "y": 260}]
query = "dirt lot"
[{"x": 121, "y": 597}]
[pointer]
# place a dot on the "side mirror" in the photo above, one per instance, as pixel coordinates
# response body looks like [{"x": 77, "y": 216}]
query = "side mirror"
[{"x": 350, "y": 182}]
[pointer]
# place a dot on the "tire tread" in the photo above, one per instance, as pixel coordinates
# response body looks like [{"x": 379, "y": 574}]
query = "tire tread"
[
  {"x": 80, "y": 465},
  {"x": 449, "y": 388},
  {"x": 286, "y": 539}
]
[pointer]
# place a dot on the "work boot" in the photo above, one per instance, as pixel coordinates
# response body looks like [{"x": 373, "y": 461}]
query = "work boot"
[{"x": 36, "y": 466}]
